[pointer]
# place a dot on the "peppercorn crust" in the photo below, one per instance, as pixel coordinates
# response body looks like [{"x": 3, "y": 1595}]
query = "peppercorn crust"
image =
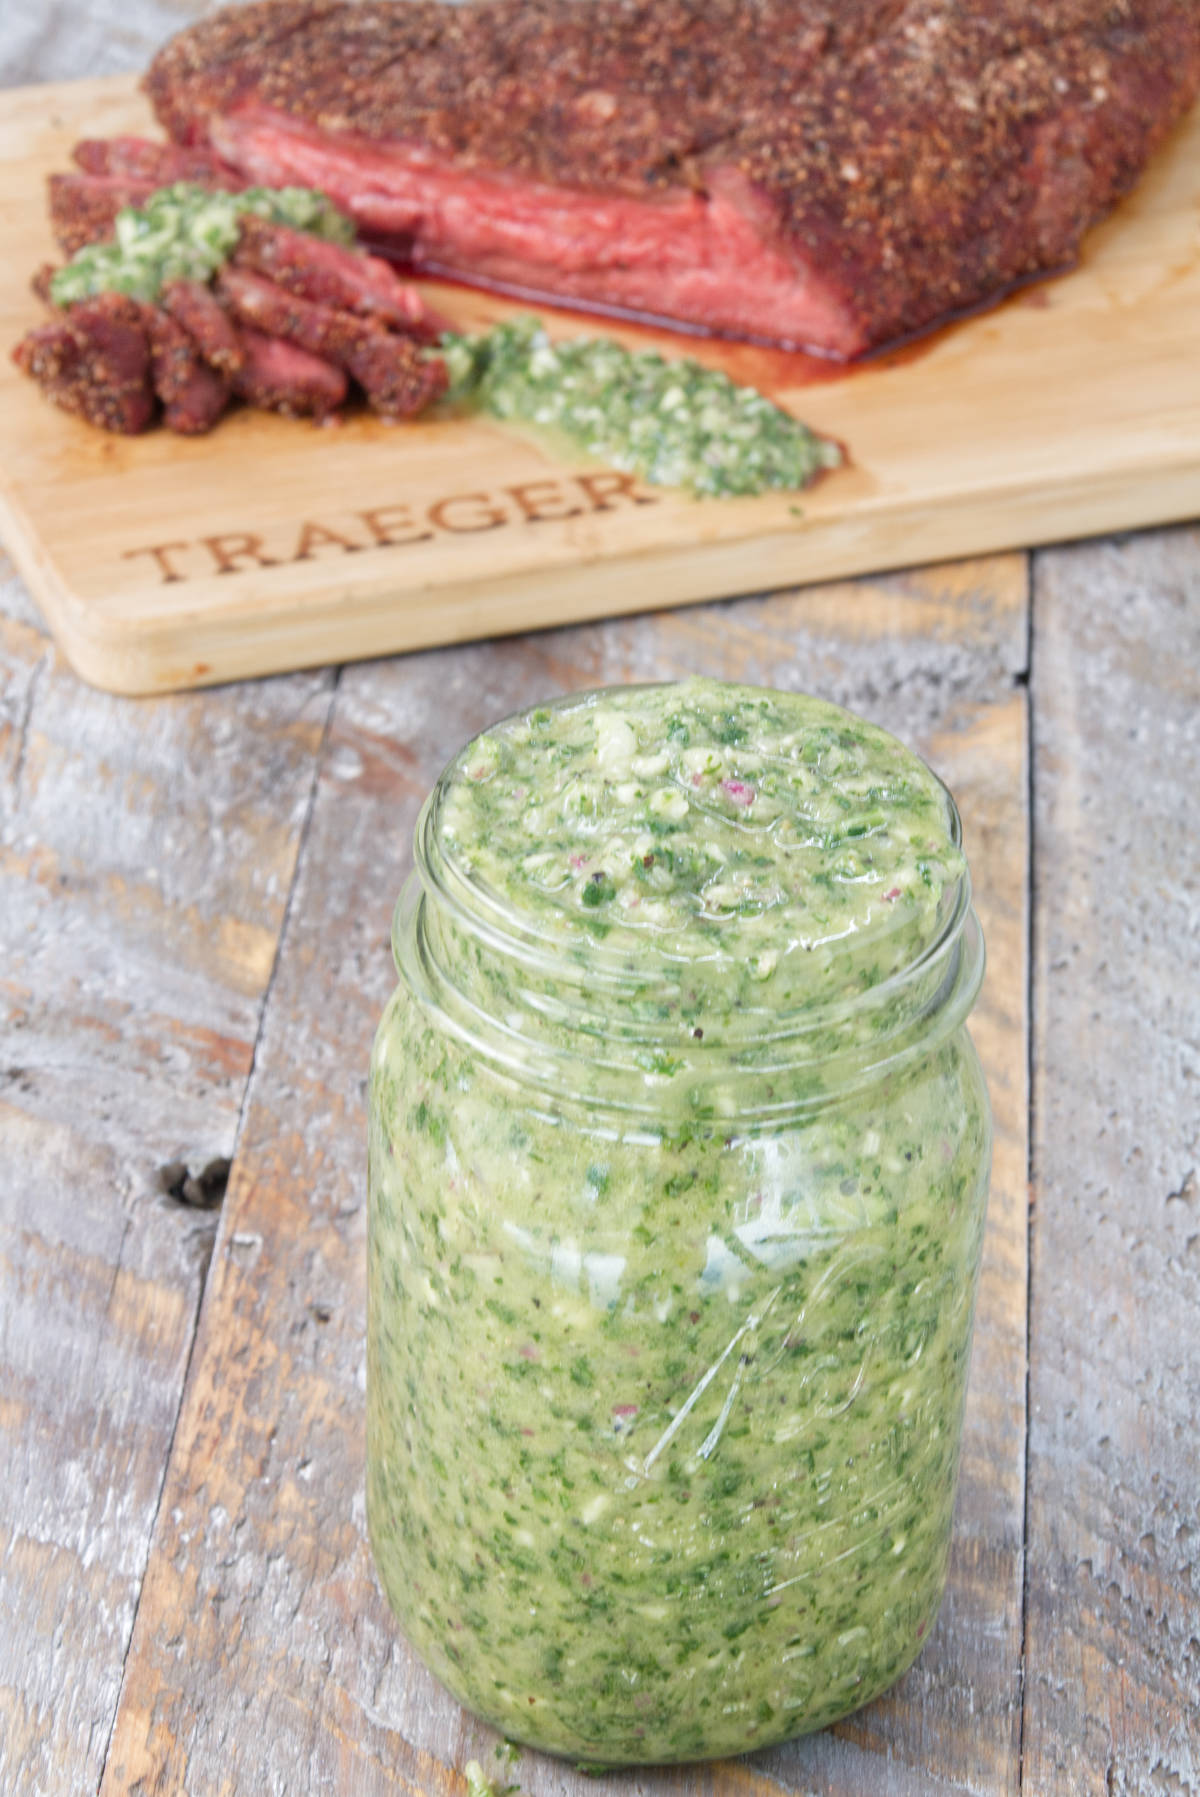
[{"x": 922, "y": 156}]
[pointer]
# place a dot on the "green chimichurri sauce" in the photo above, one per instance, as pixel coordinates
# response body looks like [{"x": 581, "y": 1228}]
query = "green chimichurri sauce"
[
  {"x": 675, "y": 423},
  {"x": 667, "y": 1349},
  {"x": 187, "y": 232}
]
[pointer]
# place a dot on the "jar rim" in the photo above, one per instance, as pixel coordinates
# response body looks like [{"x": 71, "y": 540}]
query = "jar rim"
[
  {"x": 845, "y": 1036},
  {"x": 636, "y": 1088},
  {"x": 487, "y": 914}
]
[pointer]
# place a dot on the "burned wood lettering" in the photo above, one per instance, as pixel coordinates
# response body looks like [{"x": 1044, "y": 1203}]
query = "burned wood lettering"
[{"x": 394, "y": 526}]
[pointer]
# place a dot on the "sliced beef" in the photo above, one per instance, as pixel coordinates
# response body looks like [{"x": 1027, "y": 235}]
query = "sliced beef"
[
  {"x": 83, "y": 208},
  {"x": 261, "y": 304},
  {"x": 95, "y": 360},
  {"x": 193, "y": 394},
  {"x": 829, "y": 173},
  {"x": 396, "y": 377},
  {"x": 144, "y": 159},
  {"x": 123, "y": 171},
  {"x": 334, "y": 274},
  {"x": 197, "y": 309},
  {"x": 111, "y": 358},
  {"x": 283, "y": 378}
]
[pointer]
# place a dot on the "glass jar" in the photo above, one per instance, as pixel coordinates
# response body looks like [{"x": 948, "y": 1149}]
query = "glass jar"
[{"x": 673, "y": 1246}]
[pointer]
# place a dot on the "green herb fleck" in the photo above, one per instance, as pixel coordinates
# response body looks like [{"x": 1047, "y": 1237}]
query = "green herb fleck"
[{"x": 598, "y": 890}]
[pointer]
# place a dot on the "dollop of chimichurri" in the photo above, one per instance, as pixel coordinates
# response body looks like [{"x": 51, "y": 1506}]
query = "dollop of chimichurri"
[
  {"x": 187, "y": 232},
  {"x": 678, "y": 1162},
  {"x": 675, "y": 423}
]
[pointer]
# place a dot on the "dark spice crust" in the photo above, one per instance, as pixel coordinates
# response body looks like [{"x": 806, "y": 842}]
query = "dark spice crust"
[
  {"x": 94, "y": 360},
  {"x": 973, "y": 148},
  {"x": 922, "y": 156},
  {"x": 84, "y": 209},
  {"x": 392, "y": 371},
  {"x": 193, "y": 394}
]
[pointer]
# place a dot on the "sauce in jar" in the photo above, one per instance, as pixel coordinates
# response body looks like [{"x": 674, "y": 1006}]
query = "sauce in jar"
[{"x": 678, "y": 1162}]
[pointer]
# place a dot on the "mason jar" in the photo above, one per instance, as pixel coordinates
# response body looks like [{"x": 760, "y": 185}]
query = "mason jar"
[{"x": 679, "y": 1153}]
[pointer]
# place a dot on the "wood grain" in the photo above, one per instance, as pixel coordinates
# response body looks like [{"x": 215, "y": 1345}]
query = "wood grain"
[
  {"x": 264, "y": 1657},
  {"x": 1113, "y": 1680},
  {"x": 1072, "y": 408},
  {"x": 145, "y": 859}
]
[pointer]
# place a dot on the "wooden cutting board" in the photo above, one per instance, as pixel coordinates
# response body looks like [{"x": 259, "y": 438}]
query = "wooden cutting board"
[{"x": 160, "y": 562}]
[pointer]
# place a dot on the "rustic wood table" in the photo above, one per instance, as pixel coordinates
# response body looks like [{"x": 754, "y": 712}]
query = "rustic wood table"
[{"x": 196, "y": 894}]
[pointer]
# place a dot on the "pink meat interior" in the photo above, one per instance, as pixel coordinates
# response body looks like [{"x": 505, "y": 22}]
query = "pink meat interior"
[{"x": 712, "y": 259}]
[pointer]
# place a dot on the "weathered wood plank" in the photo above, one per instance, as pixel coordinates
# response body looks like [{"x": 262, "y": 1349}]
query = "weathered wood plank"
[
  {"x": 953, "y": 1724},
  {"x": 66, "y": 40},
  {"x": 264, "y": 1658},
  {"x": 146, "y": 856},
  {"x": 1113, "y": 1682}
]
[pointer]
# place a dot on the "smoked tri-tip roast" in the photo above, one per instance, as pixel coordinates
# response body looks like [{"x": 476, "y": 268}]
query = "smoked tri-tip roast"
[
  {"x": 831, "y": 174},
  {"x": 827, "y": 174}
]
